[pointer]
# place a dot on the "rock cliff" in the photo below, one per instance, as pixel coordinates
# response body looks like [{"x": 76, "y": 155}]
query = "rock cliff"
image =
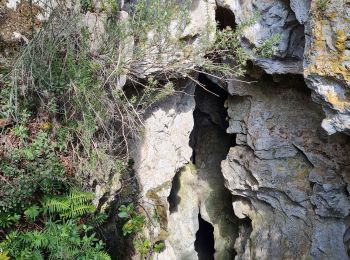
[{"x": 264, "y": 160}]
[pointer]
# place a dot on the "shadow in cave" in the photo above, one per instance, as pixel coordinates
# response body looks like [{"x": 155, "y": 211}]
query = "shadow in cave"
[
  {"x": 211, "y": 143},
  {"x": 204, "y": 244},
  {"x": 225, "y": 18},
  {"x": 174, "y": 199}
]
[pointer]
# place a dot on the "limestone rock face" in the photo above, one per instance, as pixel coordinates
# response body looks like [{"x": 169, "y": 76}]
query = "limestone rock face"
[
  {"x": 314, "y": 42},
  {"x": 327, "y": 60},
  {"x": 290, "y": 178},
  {"x": 277, "y": 17},
  {"x": 161, "y": 152},
  {"x": 165, "y": 143},
  {"x": 200, "y": 189}
]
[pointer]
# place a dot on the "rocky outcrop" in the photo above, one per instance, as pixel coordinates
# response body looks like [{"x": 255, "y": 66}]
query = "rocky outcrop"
[
  {"x": 276, "y": 18},
  {"x": 314, "y": 42},
  {"x": 290, "y": 178},
  {"x": 161, "y": 152},
  {"x": 327, "y": 60}
]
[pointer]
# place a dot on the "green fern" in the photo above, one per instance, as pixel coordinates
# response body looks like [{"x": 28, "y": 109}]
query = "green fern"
[
  {"x": 97, "y": 220},
  {"x": 76, "y": 204},
  {"x": 67, "y": 240},
  {"x": 6, "y": 219},
  {"x": 32, "y": 213}
]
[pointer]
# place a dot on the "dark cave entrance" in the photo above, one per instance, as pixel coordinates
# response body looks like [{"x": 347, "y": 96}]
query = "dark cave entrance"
[
  {"x": 211, "y": 143},
  {"x": 210, "y": 115},
  {"x": 225, "y": 18},
  {"x": 204, "y": 244}
]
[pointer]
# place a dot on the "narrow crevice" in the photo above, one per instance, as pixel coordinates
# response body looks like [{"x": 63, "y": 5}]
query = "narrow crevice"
[
  {"x": 211, "y": 144},
  {"x": 205, "y": 182},
  {"x": 204, "y": 244},
  {"x": 174, "y": 199}
]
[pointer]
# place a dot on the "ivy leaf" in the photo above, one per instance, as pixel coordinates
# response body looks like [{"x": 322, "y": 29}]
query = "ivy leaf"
[
  {"x": 130, "y": 207},
  {"x": 123, "y": 214}
]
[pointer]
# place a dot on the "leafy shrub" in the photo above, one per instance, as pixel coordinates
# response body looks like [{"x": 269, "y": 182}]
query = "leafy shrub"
[
  {"x": 135, "y": 222},
  {"x": 134, "y": 225},
  {"x": 159, "y": 247},
  {"x": 266, "y": 49},
  {"x": 30, "y": 168}
]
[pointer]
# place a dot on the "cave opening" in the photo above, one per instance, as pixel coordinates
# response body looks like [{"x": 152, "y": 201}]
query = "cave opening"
[
  {"x": 204, "y": 244},
  {"x": 198, "y": 193},
  {"x": 210, "y": 120},
  {"x": 211, "y": 143},
  {"x": 225, "y": 18}
]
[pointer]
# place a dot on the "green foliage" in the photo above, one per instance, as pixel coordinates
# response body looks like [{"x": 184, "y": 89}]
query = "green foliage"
[
  {"x": 135, "y": 221},
  {"x": 266, "y": 49},
  {"x": 32, "y": 212},
  {"x": 21, "y": 132},
  {"x": 32, "y": 167},
  {"x": 159, "y": 247},
  {"x": 321, "y": 5},
  {"x": 67, "y": 240},
  {"x": 87, "y": 5},
  {"x": 134, "y": 225},
  {"x": 96, "y": 220},
  {"x": 61, "y": 235},
  {"x": 7, "y": 219},
  {"x": 74, "y": 205},
  {"x": 142, "y": 246}
]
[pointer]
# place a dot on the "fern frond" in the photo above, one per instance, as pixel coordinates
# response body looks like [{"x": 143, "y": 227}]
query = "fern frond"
[
  {"x": 97, "y": 220},
  {"x": 103, "y": 256},
  {"x": 55, "y": 204},
  {"x": 81, "y": 197},
  {"x": 78, "y": 210},
  {"x": 72, "y": 205}
]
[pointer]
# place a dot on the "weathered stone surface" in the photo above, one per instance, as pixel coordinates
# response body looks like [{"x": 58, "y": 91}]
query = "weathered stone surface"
[
  {"x": 327, "y": 60},
  {"x": 314, "y": 42},
  {"x": 291, "y": 178},
  {"x": 183, "y": 218},
  {"x": 95, "y": 24},
  {"x": 161, "y": 152},
  {"x": 277, "y": 17},
  {"x": 164, "y": 147}
]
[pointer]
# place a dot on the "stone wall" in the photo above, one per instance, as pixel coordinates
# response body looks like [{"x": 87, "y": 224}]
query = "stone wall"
[{"x": 290, "y": 178}]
